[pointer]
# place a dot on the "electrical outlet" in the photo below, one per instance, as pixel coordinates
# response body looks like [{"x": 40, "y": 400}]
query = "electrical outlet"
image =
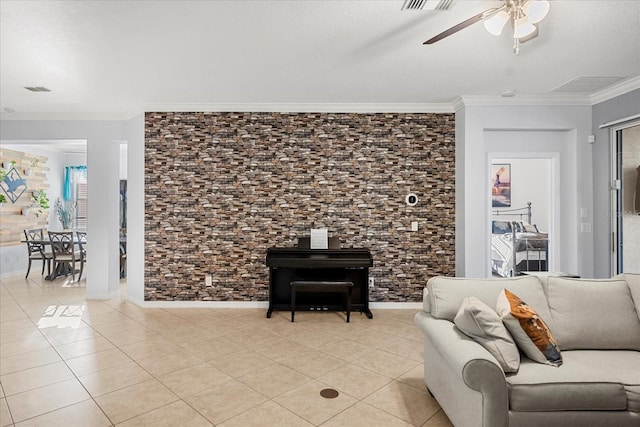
[
  {"x": 372, "y": 282},
  {"x": 208, "y": 280}
]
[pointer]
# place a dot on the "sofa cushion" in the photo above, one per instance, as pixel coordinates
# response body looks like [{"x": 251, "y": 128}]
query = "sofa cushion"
[
  {"x": 532, "y": 335},
  {"x": 588, "y": 380},
  {"x": 480, "y": 322},
  {"x": 593, "y": 314},
  {"x": 426, "y": 303},
  {"x": 633, "y": 281},
  {"x": 447, "y": 293}
]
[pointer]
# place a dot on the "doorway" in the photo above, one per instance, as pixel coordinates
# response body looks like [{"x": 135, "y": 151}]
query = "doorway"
[
  {"x": 625, "y": 198},
  {"x": 527, "y": 208}
]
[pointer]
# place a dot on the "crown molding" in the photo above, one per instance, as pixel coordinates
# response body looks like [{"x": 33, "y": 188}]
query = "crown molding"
[
  {"x": 97, "y": 116},
  {"x": 458, "y": 104},
  {"x": 524, "y": 100},
  {"x": 444, "y": 107},
  {"x": 616, "y": 90},
  {"x": 301, "y": 108}
]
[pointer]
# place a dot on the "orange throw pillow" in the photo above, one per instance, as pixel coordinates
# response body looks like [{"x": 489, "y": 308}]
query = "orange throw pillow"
[{"x": 530, "y": 332}]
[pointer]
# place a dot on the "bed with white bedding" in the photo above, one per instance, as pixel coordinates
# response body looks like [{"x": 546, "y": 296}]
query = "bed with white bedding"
[{"x": 517, "y": 245}]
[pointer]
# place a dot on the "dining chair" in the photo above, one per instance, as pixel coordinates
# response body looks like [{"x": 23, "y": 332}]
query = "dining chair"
[
  {"x": 36, "y": 249},
  {"x": 82, "y": 241},
  {"x": 65, "y": 255}
]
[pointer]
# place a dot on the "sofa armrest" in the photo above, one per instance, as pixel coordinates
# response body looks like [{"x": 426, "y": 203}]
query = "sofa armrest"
[{"x": 462, "y": 375}]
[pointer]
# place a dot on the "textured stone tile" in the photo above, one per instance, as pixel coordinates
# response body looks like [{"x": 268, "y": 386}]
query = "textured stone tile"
[{"x": 221, "y": 188}]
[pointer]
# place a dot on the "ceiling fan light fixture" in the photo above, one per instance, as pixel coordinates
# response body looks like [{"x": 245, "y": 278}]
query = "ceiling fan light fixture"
[
  {"x": 536, "y": 10},
  {"x": 496, "y": 23}
]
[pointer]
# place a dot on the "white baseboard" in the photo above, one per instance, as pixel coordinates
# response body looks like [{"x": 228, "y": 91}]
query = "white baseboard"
[
  {"x": 257, "y": 304},
  {"x": 114, "y": 294},
  {"x": 396, "y": 305},
  {"x": 199, "y": 304}
]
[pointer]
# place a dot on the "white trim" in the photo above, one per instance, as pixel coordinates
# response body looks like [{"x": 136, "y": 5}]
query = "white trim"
[
  {"x": 102, "y": 297},
  {"x": 458, "y": 104},
  {"x": 613, "y": 199},
  {"x": 619, "y": 121},
  {"x": 616, "y": 90},
  {"x": 302, "y": 107},
  {"x": 395, "y": 306},
  {"x": 554, "y": 202},
  {"x": 199, "y": 304},
  {"x": 519, "y": 100},
  {"x": 97, "y": 116},
  {"x": 257, "y": 304},
  {"x": 399, "y": 107},
  {"x": 614, "y": 127}
]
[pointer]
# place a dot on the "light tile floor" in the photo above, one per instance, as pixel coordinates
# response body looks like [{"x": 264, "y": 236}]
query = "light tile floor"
[{"x": 68, "y": 361}]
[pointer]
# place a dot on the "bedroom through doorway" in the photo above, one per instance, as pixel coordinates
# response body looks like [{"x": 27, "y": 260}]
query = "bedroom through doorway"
[{"x": 521, "y": 214}]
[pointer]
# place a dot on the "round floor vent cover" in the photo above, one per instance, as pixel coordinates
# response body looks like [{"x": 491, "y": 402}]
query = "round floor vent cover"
[{"x": 329, "y": 393}]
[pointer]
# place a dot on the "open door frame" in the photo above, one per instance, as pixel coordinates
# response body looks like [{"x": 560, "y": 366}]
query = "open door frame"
[
  {"x": 554, "y": 201},
  {"x": 617, "y": 231}
]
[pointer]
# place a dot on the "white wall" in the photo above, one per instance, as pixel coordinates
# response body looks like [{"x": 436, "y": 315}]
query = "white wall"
[
  {"x": 123, "y": 161},
  {"x": 134, "y": 132},
  {"x": 503, "y": 131}
]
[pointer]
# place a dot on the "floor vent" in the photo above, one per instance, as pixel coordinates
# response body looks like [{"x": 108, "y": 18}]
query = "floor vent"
[{"x": 329, "y": 393}]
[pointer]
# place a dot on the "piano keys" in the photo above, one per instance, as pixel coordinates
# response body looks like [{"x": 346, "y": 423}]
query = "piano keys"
[{"x": 302, "y": 264}]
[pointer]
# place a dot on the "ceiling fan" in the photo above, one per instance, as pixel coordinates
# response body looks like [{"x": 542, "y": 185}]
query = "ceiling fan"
[{"x": 523, "y": 15}]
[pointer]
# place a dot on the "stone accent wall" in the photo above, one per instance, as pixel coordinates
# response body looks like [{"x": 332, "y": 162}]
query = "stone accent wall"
[{"x": 221, "y": 188}]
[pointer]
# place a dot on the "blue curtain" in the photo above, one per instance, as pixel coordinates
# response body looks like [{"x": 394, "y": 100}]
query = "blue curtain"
[{"x": 69, "y": 178}]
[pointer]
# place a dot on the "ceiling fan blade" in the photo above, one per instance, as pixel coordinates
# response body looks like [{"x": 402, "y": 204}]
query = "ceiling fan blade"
[
  {"x": 530, "y": 36},
  {"x": 464, "y": 24}
]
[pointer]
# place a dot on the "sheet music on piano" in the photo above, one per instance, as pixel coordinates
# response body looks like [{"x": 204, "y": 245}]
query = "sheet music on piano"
[{"x": 319, "y": 238}]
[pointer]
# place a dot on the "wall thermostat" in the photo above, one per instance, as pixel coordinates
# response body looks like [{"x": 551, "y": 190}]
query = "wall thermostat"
[{"x": 411, "y": 199}]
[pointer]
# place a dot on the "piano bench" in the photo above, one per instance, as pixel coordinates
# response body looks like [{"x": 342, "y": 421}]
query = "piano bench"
[{"x": 320, "y": 286}]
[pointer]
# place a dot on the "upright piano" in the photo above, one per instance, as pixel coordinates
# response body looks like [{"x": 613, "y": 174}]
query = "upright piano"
[{"x": 295, "y": 264}]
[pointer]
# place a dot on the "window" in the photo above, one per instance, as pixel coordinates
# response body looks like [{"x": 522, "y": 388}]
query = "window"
[
  {"x": 81, "y": 199},
  {"x": 75, "y": 194}
]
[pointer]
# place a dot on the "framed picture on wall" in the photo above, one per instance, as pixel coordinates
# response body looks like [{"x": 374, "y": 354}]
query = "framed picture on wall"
[{"x": 501, "y": 185}]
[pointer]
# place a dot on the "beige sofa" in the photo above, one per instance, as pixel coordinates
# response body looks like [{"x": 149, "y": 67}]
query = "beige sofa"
[{"x": 596, "y": 326}]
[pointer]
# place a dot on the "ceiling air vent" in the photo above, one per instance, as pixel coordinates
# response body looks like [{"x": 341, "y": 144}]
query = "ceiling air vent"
[
  {"x": 587, "y": 84},
  {"x": 426, "y": 4},
  {"x": 37, "y": 89}
]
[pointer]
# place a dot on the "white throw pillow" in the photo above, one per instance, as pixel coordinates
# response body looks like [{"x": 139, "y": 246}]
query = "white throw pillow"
[
  {"x": 480, "y": 322},
  {"x": 531, "y": 333}
]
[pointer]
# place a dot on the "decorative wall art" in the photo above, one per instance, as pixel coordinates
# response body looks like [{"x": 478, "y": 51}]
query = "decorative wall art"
[
  {"x": 501, "y": 185},
  {"x": 13, "y": 185}
]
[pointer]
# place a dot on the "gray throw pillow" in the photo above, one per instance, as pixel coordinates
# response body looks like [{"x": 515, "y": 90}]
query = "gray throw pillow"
[{"x": 480, "y": 322}]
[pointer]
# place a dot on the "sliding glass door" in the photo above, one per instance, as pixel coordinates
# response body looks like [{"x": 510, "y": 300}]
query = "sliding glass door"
[{"x": 625, "y": 199}]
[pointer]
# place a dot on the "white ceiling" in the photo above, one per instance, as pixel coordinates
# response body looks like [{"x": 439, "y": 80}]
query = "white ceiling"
[{"x": 112, "y": 59}]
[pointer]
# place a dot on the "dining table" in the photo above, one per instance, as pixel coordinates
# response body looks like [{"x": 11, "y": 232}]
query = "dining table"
[{"x": 64, "y": 269}]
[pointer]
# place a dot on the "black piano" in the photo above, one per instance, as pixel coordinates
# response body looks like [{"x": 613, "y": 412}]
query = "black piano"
[{"x": 302, "y": 264}]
